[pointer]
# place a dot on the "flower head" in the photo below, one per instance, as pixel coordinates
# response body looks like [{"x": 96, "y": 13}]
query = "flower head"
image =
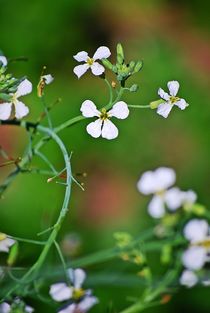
[
  {"x": 16, "y": 305},
  {"x": 5, "y": 243},
  {"x": 21, "y": 109},
  {"x": 3, "y": 61},
  {"x": 170, "y": 99},
  {"x": 103, "y": 126},
  {"x": 96, "y": 68},
  {"x": 188, "y": 279}
]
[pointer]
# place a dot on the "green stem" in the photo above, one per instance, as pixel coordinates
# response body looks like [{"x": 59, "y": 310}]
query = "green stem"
[
  {"x": 46, "y": 112},
  {"x": 35, "y": 242},
  {"x": 139, "y": 106},
  {"x": 110, "y": 91}
]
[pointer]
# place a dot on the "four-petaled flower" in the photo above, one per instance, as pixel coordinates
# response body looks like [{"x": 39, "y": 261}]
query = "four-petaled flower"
[
  {"x": 170, "y": 99},
  {"x": 81, "y": 299},
  {"x": 3, "y": 60},
  {"x": 96, "y": 68},
  {"x": 103, "y": 126},
  {"x": 5, "y": 243},
  {"x": 21, "y": 109}
]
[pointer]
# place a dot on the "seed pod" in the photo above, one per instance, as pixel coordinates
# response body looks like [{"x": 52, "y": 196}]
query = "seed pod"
[{"x": 138, "y": 66}]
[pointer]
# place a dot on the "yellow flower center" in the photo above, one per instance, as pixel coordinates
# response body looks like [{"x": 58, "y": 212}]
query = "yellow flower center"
[
  {"x": 173, "y": 99},
  {"x": 2, "y": 236},
  {"x": 90, "y": 61},
  {"x": 205, "y": 243},
  {"x": 104, "y": 115},
  {"x": 78, "y": 293},
  {"x": 160, "y": 193}
]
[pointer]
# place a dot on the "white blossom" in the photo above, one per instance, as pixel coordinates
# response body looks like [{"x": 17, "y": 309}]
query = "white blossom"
[
  {"x": 82, "y": 307},
  {"x": 196, "y": 230},
  {"x": 188, "y": 279},
  {"x": 103, "y": 126},
  {"x": 21, "y": 109},
  {"x": 5, "y": 307},
  {"x": 194, "y": 257},
  {"x": 96, "y": 68},
  {"x": 47, "y": 78},
  {"x": 5, "y": 243},
  {"x": 3, "y": 60},
  {"x": 170, "y": 99}
]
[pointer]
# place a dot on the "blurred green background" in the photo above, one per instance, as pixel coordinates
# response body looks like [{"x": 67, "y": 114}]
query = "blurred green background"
[{"x": 172, "y": 38}]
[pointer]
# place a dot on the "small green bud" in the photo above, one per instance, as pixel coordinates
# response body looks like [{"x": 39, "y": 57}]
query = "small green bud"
[
  {"x": 5, "y": 97},
  {"x": 134, "y": 88},
  {"x": 138, "y": 66},
  {"x": 132, "y": 65},
  {"x": 114, "y": 69},
  {"x": 166, "y": 254},
  {"x": 120, "y": 59},
  {"x": 199, "y": 209},
  {"x": 13, "y": 254},
  {"x": 120, "y": 51},
  {"x": 123, "y": 239},
  {"x": 155, "y": 104},
  {"x": 107, "y": 64}
]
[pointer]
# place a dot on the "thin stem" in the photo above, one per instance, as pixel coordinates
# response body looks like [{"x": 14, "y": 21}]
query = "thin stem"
[
  {"x": 45, "y": 159},
  {"x": 62, "y": 261},
  {"x": 46, "y": 109},
  {"x": 139, "y": 106},
  {"x": 110, "y": 91},
  {"x": 35, "y": 242},
  {"x": 68, "y": 123}
]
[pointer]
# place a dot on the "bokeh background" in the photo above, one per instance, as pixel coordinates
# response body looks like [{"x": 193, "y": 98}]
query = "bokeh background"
[{"x": 172, "y": 38}]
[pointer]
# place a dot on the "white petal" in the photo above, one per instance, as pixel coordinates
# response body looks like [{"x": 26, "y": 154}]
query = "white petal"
[
  {"x": 196, "y": 230},
  {"x": 164, "y": 178},
  {"x": 21, "y": 109},
  {"x": 87, "y": 303},
  {"x": 173, "y": 198},
  {"x": 102, "y": 53},
  {"x": 48, "y": 78},
  {"x": 119, "y": 110},
  {"x": 24, "y": 88},
  {"x": 5, "y": 244},
  {"x": 4, "y": 307},
  {"x": 189, "y": 197},
  {"x": 94, "y": 128},
  {"x": 79, "y": 277},
  {"x": 164, "y": 95},
  {"x": 3, "y": 60},
  {"x": 89, "y": 109},
  {"x": 109, "y": 130},
  {"x": 173, "y": 87},
  {"x": 69, "y": 309},
  {"x": 81, "y": 56},
  {"x": 60, "y": 292},
  {"x": 79, "y": 70},
  {"x": 5, "y": 110},
  {"x": 29, "y": 309},
  {"x": 146, "y": 183},
  {"x": 194, "y": 258},
  {"x": 188, "y": 279},
  {"x": 182, "y": 104},
  {"x": 164, "y": 109},
  {"x": 97, "y": 69},
  {"x": 156, "y": 207}
]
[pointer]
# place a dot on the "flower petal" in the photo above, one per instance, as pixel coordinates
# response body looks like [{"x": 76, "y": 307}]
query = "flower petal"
[
  {"x": 164, "y": 109},
  {"x": 60, "y": 292},
  {"x": 79, "y": 277},
  {"x": 97, "y": 69},
  {"x": 29, "y": 309},
  {"x": 48, "y": 78},
  {"x": 21, "y": 109},
  {"x": 156, "y": 207},
  {"x": 164, "y": 178},
  {"x": 146, "y": 183},
  {"x": 5, "y": 110},
  {"x": 109, "y": 130},
  {"x": 194, "y": 258},
  {"x": 80, "y": 70},
  {"x": 5, "y": 307},
  {"x": 3, "y": 60},
  {"x": 188, "y": 279},
  {"x": 102, "y": 53},
  {"x": 182, "y": 104},
  {"x": 196, "y": 230},
  {"x": 173, "y": 198},
  {"x": 69, "y": 308},
  {"x": 189, "y": 197},
  {"x": 24, "y": 88},
  {"x": 94, "y": 128},
  {"x": 164, "y": 95},
  {"x": 89, "y": 109},
  {"x": 173, "y": 87},
  {"x": 119, "y": 110},
  {"x": 87, "y": 303},
  {"x": 81, "y": 56}
]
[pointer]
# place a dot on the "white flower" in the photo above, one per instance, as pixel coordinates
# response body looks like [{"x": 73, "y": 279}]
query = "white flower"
[
  {"x": 188, "y": 279},
  {"x": 194, "y": 258},
  {"x": 47, "y": 78},
  {"x": 3, "y": 60},
  {"x": 103, "y": 126},
  {"x": 96, "y": 68},
  {"x": 156, "y": 182},
  {"x": 196, "y": 230},
  {"x": 189, "y": 197},
  {"x": 4, "y": 307},
  {"x": 170, "y": 99},
  {"x": 82, "y": 307},
  {"x": 21, "y": 109},
  {"x": 5, "y": 243}
]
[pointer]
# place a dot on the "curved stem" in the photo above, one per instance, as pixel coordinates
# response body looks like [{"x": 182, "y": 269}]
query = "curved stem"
[
  {"x": 110, "y": 91},
  {"x": 139, "y": 106}
]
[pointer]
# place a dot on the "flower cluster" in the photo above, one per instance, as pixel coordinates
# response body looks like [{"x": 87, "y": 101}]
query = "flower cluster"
[
  {"x": 17, "y": 306},
  {"x": 158, "y": 183},
  {"x": 78, "y": 299}
]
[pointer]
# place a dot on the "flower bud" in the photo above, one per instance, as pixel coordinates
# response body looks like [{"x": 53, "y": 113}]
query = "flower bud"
[
  {"x": 120, "y": 51},
  {"x": 138, "y": 66},
  {"x": 155, "y": 104},
  {"x": 107, "y": 64},
  {"x": 134, "y": 88}
]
